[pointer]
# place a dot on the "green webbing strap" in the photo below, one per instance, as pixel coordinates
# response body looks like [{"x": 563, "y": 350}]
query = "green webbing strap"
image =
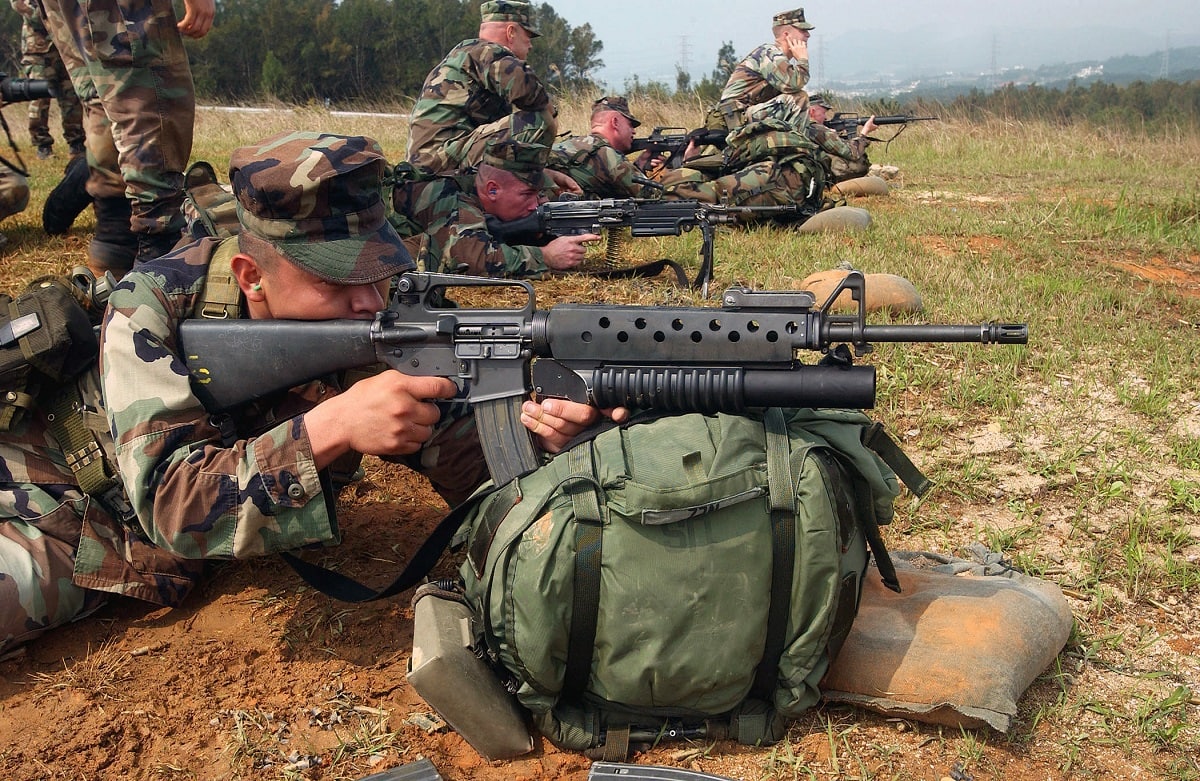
[
  {"x": 875, "y": 438},
  {"x": 221, "y": 298},
  {"x": 781, "y": 484},
  {"x": 616, "y": 744},
  {"x": 84, "y": 454},
  {"x": 585, "y": 606}
]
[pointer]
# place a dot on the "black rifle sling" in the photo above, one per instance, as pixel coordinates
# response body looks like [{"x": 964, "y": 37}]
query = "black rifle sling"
[
  {"x": 347, "y": 589},
  {"x": 642, "y": 271}
]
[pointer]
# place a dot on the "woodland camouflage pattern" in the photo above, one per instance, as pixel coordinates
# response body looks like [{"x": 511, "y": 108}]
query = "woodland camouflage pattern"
[
  {"x": 129, "y": 67},
  {"x": 846, "y": 159},
  {"x": 765, "y": 76},
  {"x": 317, "y": 198},
  {"x": 771, "y": 163},
  {"x": 14, "y": 192},
  {"x": 480, "y": 91},
  {"x": 59, "y": 550},
  {"x": 454, "y": 237},
  {"x": 600, "y": 170},
  {"x": 40, "y": 60}
]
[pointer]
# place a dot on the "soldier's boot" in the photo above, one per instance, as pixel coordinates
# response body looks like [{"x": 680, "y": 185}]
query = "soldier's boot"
[
  {"x": 68, "y": 199},
  {"x": 114, "y": 245}
]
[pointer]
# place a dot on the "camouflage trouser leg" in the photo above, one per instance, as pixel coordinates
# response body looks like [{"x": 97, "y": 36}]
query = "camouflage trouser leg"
[
  {"x": 67, "y": 24},
  {"x": 39, "y": 123},
  {"x": 70, "y": 110},
  {"x": 764, "y": 183},
  {"x": 14, "y": 192},
  {"x": 792, "y": 109},
  {"x": 527, "y": 127},
  {"x": 38, "y": 536},
  {"x": 139, "y": 71}
]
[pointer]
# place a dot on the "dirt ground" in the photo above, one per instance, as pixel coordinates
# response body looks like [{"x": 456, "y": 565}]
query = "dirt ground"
[{"x": 257, "y": 676}]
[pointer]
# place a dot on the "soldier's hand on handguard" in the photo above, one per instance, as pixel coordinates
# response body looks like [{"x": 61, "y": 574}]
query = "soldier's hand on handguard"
[
  {"x": 869, "y": 127},
  {"x": 387, "y": 414},
  {"x": 564, "y": 183},
  {"x": 567, "y": 252},
  {"x": 555, "y": 422},
  {"x": 197, "y": 18}
]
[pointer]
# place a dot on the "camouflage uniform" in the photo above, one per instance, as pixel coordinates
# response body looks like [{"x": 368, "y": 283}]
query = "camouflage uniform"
[
  {"x": 765, "y": 85},
  {"x": 770, "y": 164},
  {"x": 600, "y": 170},
  {"x": 14, "y": 192},
  {"x": 129, "y": 67},
  {"x": 40, "y": 60},
  {"x": 846, "y": 159},
  {"x": 61, "y": 552},
  {"x": 445, "y": 226},
  {"x": 479, "y": 91},
  {"x": 202, "y": 494}
]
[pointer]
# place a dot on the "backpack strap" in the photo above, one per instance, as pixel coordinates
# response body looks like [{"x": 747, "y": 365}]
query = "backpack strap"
[
  {"x": 95, "y": 474},
  {"x": 221, "y": 298},
  {"x": 585, "y": 606},
  {"x": 781, "y": 486}
]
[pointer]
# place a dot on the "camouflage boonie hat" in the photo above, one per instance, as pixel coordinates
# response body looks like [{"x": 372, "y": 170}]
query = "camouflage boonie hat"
[
  {"x": 791, "y": 19},
  {"x": 509, "y": 11},
  {"x": 619, "y": 105},
  {"x": 317, "y": 198},
  {"x": 820, "y": 100},
  {"x": 524, "y": 161}
]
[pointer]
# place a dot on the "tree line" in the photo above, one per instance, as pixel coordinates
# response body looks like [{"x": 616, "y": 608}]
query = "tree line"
[
  {"x": 350, "y": 51},
  {"x": 356, "y": 52}
]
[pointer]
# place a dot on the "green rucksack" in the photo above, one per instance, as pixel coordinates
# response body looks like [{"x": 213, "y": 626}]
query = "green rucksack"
[{"x": 692, "y": 572}]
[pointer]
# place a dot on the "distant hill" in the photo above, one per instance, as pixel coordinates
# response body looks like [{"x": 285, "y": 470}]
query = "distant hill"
[{"x": 926, "y": 76}]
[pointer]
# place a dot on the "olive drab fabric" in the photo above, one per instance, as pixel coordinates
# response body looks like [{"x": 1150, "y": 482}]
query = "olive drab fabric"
[{"x": 688, "y": 568}]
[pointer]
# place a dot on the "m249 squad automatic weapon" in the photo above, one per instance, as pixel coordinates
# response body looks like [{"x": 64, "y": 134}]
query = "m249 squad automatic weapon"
[
  {"x": 642, "y": 217},
  {"x": 745, "y": 354}
]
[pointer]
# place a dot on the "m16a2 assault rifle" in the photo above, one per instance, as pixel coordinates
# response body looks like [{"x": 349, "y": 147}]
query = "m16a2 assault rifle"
[
  {"x": 845, "y": 122},
  {"x": 746, "y": 354},
  {"x": 642, "y": 217},
  {"x": 674, "y": 140}
]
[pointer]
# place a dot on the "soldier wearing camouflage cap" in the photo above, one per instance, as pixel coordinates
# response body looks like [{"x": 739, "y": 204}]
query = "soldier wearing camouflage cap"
[
  {"x": 447, "y": 218},
  {"x": 314, "y": 243},
  {"x": 482, "y": 89},
  {"x": 769, "y": 82},
  {"x": 597, "y": 160},
  {"x": 845, "y": 158}
]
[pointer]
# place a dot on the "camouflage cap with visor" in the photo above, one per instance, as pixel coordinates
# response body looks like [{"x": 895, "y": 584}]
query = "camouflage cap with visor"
[
  {"x": 617, "y": 104},
  {"x": 527, "y": 162},
  {"x": 791, "y": 19},
  {"x": 509, "y": 11},
  {"x": 318, "y": 199}
]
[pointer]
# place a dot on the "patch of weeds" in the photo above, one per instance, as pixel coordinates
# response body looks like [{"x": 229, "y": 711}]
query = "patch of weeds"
[
  {"x": 782, "y": 763},
  {"x": 100, "y": 673},
  {"x": 1162, "y": 720}
]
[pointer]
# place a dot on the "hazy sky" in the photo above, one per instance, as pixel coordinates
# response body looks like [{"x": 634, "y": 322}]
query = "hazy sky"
[{"x": 650, "y": 37}]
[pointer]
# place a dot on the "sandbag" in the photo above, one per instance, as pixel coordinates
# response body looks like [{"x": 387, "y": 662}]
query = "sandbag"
[
  {"x": 885, "y": 292},
  {"x": 957, "y": 647},
  {"x": 839, "y": 219}
]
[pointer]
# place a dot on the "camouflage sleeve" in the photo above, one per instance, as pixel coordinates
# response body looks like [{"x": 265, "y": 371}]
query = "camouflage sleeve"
[
  {"x": 829, "y": 141},
  {"x": 782, "y": 74},
  {"x": 193, "y": 494},
  {"x": 599, "y": 169},
  {"x": 466, "y": 240},
  {"x": 503, "y": 74}
]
